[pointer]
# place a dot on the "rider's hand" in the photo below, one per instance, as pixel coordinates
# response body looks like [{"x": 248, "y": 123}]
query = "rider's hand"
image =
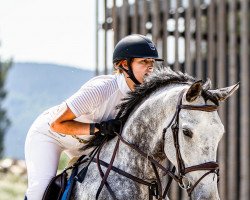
[{"x": 109, "y": 127}]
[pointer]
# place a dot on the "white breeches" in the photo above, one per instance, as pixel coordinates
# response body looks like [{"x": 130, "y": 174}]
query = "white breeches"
[{"x": 42, "y": 152}]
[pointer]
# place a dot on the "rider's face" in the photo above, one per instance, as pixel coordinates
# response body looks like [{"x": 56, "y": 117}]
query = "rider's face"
[{"x": 142, "y": 67}]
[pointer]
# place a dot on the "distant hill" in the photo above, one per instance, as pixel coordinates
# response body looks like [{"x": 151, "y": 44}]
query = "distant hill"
[{"x": 32, "y": 88}]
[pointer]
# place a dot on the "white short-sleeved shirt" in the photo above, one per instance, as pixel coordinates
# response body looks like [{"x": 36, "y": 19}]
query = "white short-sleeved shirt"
[{"x": 96, "y": 100}]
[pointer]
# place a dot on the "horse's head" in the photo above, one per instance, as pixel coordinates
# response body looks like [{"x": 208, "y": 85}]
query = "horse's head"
[
  {"x": 172, "y": 115},
  {"x": 192, "y": 139}
]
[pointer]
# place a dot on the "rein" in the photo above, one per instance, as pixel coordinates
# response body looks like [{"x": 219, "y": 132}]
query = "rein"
[{"x": 155, "y": 187}]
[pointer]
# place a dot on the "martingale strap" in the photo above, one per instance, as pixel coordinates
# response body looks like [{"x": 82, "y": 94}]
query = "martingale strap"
[
  {"x": 81, "y": 175},
  {"x": 104, "y": 178},
  {"x": 151, "y": 185},
  {"x": 102, "y": 175}
]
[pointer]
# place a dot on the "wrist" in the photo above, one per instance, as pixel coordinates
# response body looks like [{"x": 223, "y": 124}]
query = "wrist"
[{"x": 92, "y": 129}]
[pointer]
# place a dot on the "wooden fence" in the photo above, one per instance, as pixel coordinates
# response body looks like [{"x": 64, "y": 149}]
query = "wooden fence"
[{"x": 205, "y": 39}]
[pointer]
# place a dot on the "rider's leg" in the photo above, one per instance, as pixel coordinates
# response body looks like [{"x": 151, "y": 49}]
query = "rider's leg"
[{"x": 42, "y": 155}]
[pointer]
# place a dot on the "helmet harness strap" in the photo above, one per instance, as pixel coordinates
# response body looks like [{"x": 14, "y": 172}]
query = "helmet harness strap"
[{"x": 129, "y": 71}]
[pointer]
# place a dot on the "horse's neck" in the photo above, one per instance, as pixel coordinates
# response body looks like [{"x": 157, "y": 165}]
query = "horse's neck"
[
  {"x": 134, "y": 163},
  {"x": 144, "y": 127},
  {"x": 144, "y": 130}
]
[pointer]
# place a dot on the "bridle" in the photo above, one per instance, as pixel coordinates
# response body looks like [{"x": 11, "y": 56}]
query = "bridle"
[
  {"x": 155, "y": 187},
  {"x": 212, "y": 166}
]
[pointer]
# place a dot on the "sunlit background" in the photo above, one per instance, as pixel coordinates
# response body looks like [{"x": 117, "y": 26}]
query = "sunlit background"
[
  {"x": 54, "y": 47},
  {"x": 57, "y": 31},
  {"x": 50, "y": 47}
]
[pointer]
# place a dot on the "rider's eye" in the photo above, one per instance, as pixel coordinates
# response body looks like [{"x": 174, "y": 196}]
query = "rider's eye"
[
  {"x": 187, "y": 133},
  {"x": 143, "y": 62}
]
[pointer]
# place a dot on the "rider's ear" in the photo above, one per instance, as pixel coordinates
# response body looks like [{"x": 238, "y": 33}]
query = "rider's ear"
[
  {"x": 124, "y": 64},
  {"x": 194, "y": 91},
  {"x": 222, "y": 94}
]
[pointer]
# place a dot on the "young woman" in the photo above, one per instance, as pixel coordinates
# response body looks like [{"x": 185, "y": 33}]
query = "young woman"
[{"x": 70, "y": 125}]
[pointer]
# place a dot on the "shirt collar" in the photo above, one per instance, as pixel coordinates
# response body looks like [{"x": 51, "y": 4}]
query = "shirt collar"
[{"x": 122, "y": 84}]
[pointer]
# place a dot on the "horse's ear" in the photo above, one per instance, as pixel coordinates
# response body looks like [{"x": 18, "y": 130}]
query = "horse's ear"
[
  {"x": 207, "y": 85},
  {"x": 223, "y": 93},
  {"x": 194, "y": 91}
]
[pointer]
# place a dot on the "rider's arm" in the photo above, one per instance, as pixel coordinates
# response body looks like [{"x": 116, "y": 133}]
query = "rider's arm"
[{"x": 64, "y": 123}]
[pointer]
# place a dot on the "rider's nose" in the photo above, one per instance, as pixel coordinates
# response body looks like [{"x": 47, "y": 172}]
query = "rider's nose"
[{"x": 150, "y": 68}]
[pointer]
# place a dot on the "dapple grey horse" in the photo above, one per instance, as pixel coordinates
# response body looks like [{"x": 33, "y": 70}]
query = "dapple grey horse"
[{"x": 150, "y": 111}]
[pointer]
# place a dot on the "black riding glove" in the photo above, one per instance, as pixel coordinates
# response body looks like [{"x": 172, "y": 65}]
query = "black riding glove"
[{"x": 109, "y": 127}]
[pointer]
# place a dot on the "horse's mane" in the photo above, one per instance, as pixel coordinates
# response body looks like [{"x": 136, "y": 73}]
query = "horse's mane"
[{"x": 161, "y": 77}]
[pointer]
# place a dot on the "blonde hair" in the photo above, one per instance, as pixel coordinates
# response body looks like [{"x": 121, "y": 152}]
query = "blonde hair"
[
  {"x": 116, "y": 69},
  {"x": 117, "y": 64}
]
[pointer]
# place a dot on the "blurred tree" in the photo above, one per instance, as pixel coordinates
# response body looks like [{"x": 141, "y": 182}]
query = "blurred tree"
[{"x": 4, "y": 121}]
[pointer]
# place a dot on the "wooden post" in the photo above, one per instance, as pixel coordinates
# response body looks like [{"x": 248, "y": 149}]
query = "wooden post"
[
  {"x": 165, "y": 11},
  {"x": 199, "y": 68},
  {"x": 155, "y": 20},
  {"x": 221, "y": 80},
  {"x": 232, "y": 131},
  {"x": 176, "y": 35},
  {"x": 211, "y": 41},
  {"x": 115, "y": 22},
  {"x": 244, "y": 101},
  {"x": 144, "y": 17},
  {"x": 135, "y": 18},
  {"x": 124, "y": 19},
  {"x": 105, "y": 38},
  {"x": 96, "y": 38},
  {"x": 188, "y": 38}
]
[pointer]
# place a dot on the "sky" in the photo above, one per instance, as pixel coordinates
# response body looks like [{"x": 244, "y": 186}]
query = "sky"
[
  {"x": 58, "y": 32},
  {"x": 48, "y": 31}
]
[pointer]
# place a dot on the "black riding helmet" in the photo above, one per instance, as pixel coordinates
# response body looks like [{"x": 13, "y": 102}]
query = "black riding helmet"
[{"x": 134, "y": 46}]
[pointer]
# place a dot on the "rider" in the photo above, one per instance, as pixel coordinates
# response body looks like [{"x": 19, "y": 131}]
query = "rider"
[{"x": 70, "y": 125}]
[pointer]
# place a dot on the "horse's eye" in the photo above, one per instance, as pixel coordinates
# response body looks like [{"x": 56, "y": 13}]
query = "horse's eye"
[{"x": 187, "y": 133}]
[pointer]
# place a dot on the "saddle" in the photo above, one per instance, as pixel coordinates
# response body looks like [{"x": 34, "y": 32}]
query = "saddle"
[
  {"x": 56, "y": 187},
  {"x": 60, "y": 187}
]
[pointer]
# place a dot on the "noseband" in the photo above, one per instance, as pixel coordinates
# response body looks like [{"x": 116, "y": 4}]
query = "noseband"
[
  {"x": 212, "y": 166},
  {"x": 155, "y": 187}
]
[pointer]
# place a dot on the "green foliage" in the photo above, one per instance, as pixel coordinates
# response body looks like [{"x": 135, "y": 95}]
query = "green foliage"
[
  {"x": 12, "y": 186},
  {"x": 63, "y": 162},
  {"x": 4, "y": 121}
]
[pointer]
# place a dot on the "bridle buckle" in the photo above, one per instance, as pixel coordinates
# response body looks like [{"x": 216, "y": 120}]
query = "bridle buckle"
[
  {"x": 185, "y": 183},
  {"x": 153, "y": 189},
  {"x": 175, "y": 127}
]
